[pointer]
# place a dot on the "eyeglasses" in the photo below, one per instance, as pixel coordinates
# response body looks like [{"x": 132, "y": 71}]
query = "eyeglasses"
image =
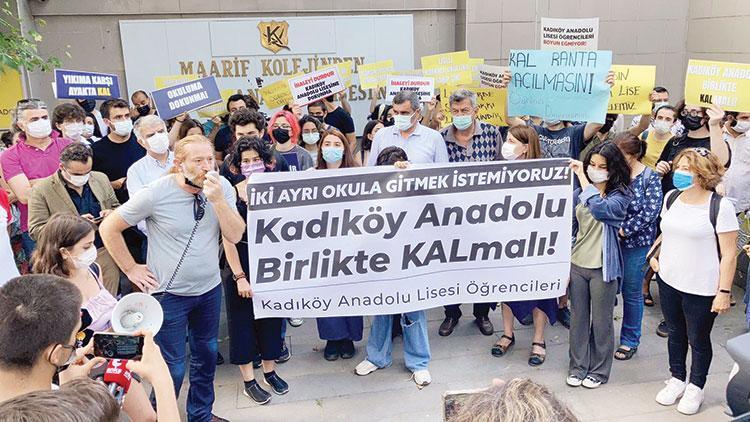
[
  {"x": 199, "y": 207},
  {"x": 285, "y": 127},
  {"x": 692, "y": 113},
  {"x": 703, "y": 152},
  {"x": 71, "y": 357}
]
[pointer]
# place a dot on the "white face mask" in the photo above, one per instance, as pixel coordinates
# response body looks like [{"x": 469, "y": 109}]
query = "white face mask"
[
  {"x": 123, "y": 127},
  {"x": 508, "y": 151},
  {"x": 597, "y": 175},
  {"x": 39, "y": 129},
  {"x": 88, "y": 131},
  {"x": 85, "y": 259},
  {"x": 77, "y": 180},
  {"x": 662, "y": 127},
  {"x": 158, "y": 143},
  {"x": 73, "y": 131},
  {"x": 311, "y": 138},
  {"x": 403, "y": 123},
  {"x": 742, "y": 126}
]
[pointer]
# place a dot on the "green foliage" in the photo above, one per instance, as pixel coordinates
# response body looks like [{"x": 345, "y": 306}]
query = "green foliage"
[{"x": 19, "y": 50}]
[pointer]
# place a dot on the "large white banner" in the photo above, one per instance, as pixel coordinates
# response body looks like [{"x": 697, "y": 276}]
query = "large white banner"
[
  {"x": 368, "y": 241},
  {"x": 243, "y": 52}
]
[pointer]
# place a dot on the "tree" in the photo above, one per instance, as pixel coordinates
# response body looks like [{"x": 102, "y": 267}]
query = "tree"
[{"x": 19, "y": 50}]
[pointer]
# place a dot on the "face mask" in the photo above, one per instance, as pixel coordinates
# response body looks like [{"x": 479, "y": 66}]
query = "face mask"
[
  {"x": 403, "y": 123},
  {"x": 548, "y": 123},
  {"x": 85, "y": 259},
  {"x": 692, "y": 122},
  {"x": 311, "y": 138},
  {"x": 741, "y": 126},
  {"x": 88, "y": 131},
  {"x": 123, "y": 127},
  {"x": 597, "y": 175},
  {"x": 77, "y": 180},
  {"x": 462, "y": 122},
  {"x": 73, "y": 131},
  {"x": 660, "y": 104},
  {"x": 662, "y": 127},
  {"x": 158, "y": 143},
  {"x": 254, "y": 167},
  {"x": 39, "y": 129},
  {"x": 143, "y": 110},
  {"x": 332, "y": 154},
  {"x": 88, "y": 105},
  {"x": 281, "y": 135},
  {"x": 682, "y": 179},
  {"x": 508, "y": 151}
]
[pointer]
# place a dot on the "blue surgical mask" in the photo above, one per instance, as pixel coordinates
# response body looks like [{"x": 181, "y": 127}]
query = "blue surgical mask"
[
  {"x": 682, "y": 180},
  {"x": 403, "y": 123},
  {"x": 332, "y": 154},
  {"x": 462, "y": 122}
]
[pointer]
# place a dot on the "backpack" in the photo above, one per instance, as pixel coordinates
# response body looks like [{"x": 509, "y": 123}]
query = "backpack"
[{"x": 713, "y": 211}]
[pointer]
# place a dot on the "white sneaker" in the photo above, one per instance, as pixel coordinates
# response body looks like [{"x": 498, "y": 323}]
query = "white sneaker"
[
  {"x": 691, "y": 400},
  {"x": 422, "y": 377},
  {"x": 591, "y": 382},
  {"x": 573, "y": 381},
  {"x": 365, "y": 368},
  {"x": 296, "y": 322},
  {"x": 669, "y": 394}
]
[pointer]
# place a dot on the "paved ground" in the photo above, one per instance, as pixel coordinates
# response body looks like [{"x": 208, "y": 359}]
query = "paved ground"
[{"x": 321, "y": 390}]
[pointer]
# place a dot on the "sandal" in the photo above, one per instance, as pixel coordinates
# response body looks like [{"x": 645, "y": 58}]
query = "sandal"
[
  {"x": 625, "y": 354},
  {"x": 648, "y": 300},
  {"x": 536, "y": 359},
  {"x": 499, "y": 350}
]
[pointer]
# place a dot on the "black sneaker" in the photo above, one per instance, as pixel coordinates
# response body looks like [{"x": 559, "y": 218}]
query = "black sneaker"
[
  {"x": 563, "y": 315},
  {"x": 256, "y": 392},
  {"x": 257, "y": 362},
  {"x": 347, "y": 349},
  {"x": 278, "y": 385},
  {"x": 285, "y": 354},
  {"x": 219, "y": 359},
  {"x": 331, "y": 352},
  {"x": 662, "y": 330}
]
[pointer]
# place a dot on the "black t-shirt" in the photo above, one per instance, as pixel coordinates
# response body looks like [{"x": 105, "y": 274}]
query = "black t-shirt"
[
  {"x": 223, "y": 140},
  {"x": 115, "y": 159},
  {"x": 341, "y": 120},
  {"x": 673, "y": 147}
]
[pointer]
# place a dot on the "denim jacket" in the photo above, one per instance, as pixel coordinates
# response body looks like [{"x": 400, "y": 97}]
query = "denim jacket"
[{"x": 610, "y": 210}]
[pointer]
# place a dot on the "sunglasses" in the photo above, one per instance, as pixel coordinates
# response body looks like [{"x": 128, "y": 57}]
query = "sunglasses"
[{"x": 199, "y": 207}]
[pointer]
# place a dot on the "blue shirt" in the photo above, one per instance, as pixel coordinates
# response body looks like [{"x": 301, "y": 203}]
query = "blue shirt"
[
  {"x": 485, "y": 144},
  {"x": 422, "y": 146},
  {"x": 639, "y": 226},
  {"x": 564, "y": 143},
  {"x": 145, "y": 171}
]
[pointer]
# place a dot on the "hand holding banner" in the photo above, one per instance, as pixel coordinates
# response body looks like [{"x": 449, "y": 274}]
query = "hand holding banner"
[
  {"x": 632, "y": 89},
  {"x": 721, "y": 83}
]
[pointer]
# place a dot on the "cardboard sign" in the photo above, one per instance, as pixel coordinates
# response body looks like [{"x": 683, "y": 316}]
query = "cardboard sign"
[
  {"x": 424, "y": 87},
  {"x": 491, "y": 103},
  {"x": 633, "y": 86},
  {"x": 313, "y": 86},
  {"x": 725, "y": 84},
  {"x": 277, "y": 94},
  {"x": 565, "y": 85},
  {"x": 569, "y": 34},
  {"x": 449, "y": 68},
  {"x": 374, "y": 75},
  {"x": 86, "y": 85},
  {"x": 10, "y": 91},
  {"x": 491, "y": 76},
  {"x": 345, "y": 71},
  {"x": 186, "y": 97}
]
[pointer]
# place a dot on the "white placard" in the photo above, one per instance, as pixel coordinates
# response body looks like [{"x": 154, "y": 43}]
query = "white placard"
[
  {"x": 424, "y": 87},
  {"x": 569, "y": 34},
  {"x": 316, "y": 85}
]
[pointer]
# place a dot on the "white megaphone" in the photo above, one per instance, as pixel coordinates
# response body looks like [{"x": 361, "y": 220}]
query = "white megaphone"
[{"x": 137, "y": 311}]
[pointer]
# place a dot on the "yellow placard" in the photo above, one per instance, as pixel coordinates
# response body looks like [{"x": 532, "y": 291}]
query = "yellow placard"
[
  {"x": 218, "y": 108},
  {"x": 722, "y": 83},
  {"x": 345, "y": 71},
  {"x": 633, "y": 86},
  {"x": 11, "y": 91},
  {"x": 491, "y": 102},
  {"x": 449, "y": 68},
  {"x": 276, "y": 94},
  {"x": 410, "y": 72},
  {"x": 374, "y": 75},
  {"x": 475, "y": 64},
  {"x": 170, "y": 80}
]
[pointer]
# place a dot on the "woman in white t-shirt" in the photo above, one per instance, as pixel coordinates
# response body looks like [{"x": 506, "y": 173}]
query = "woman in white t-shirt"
[{"x": 694, "y": 272}]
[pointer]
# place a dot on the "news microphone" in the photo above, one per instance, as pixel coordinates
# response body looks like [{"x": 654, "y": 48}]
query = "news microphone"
[{"x": 117, "y": 378}]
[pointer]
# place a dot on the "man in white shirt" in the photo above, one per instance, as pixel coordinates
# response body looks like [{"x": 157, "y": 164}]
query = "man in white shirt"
[{"x": 152, "y": 135}]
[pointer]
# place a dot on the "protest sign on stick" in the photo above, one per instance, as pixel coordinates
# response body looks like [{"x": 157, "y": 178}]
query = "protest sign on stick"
[
  {"x": 631, "y": 93},
  {"x": 448, "y": 68},
  {"x": 564, "y": 85},
  {"x": 374, "y": 75},
  {"x": 424, "y": 87},
  {"x": 376, "y": 241},
  {"x": 569, "y": 34},
  {"x": 724, "y": 84},
  {"x": 185, "y": 97},
  {"x": 276, "y": 95},
  {"x": 71, "y": 84},
  {"x": 491, "y": 76},
  {"x": 313, "y": 86},
  {"x": 490, "y": 101}
]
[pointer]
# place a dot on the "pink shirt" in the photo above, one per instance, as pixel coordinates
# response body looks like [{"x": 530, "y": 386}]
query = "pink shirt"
[{"x": 33, "y": 162}]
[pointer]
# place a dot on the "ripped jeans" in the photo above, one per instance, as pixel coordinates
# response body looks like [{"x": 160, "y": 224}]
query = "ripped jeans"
[{"x": 416, "y": 342}]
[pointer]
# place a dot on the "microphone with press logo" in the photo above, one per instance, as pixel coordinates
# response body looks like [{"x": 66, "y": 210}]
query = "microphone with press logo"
[{"x": 117, "y": 378}]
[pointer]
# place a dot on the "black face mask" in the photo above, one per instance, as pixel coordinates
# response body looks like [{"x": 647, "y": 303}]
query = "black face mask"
[
  {"x": 88, "y": 105},
  {"x": 281, "y": 135},
  {"x": 143, "y": 110},
  {"x": 692, "y": 122}
]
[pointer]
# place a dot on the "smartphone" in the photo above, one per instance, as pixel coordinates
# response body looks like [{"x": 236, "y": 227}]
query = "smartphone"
[
  {"x": 454, "y": 400},
  {"x": 118, "y": 346},
  {"x": 98, "y": 219}
]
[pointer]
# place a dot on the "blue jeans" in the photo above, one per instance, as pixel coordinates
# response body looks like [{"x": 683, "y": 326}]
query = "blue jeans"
[
  {"x": 28, "y": 244},
  {"x": 416, "y": 342},
  {"x": 196, "y": 317},
  {"x": 632, "y": 296}
]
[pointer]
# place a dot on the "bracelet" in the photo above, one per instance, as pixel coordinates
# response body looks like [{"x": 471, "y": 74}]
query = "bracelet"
[
  {"x": 238, "y": 277},
  {"x": 725, "y": 291}
]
